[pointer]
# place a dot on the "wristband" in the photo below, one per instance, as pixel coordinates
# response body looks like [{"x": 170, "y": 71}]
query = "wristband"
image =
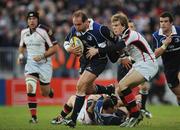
[
  {"x": 164, "y": 46},
  {"x": 42, "y": 56},
  {"x": 21, "y": 56}
]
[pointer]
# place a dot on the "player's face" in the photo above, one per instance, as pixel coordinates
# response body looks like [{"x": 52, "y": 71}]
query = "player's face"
[
  {"x": 32, "y": 22},
  {"x": 165, "y": 24},
  {"x": 79, "y": 24},
  {"x": 131, "y": 26},
  {"x": 117, "y": 28}
]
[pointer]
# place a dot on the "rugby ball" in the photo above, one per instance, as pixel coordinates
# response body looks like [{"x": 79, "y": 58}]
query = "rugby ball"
[{"x": 75, "y": 41}]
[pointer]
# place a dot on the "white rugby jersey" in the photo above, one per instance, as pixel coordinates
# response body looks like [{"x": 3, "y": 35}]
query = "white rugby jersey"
[
  {"x": 137, "y": 47},
  {"x": 38, "y": 42}
]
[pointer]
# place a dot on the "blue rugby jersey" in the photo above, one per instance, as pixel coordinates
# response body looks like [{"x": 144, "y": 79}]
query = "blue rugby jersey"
[
  {"x": 106, "y": 119},
  {"x": 171, "y": 56},
  {"x": 96, "y": 36}
]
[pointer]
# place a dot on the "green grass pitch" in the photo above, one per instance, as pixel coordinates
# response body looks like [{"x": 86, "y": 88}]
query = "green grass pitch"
[{"x": 16, "y": 118}]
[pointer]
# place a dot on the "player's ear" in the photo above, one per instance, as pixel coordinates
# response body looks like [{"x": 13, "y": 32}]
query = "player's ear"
[
  {"x": 123, "y": 27},
  {"x": 86, "y": 22}
]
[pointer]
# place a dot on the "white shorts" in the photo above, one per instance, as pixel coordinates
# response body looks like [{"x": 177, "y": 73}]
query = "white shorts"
[
  {"x": 83, "y": 116},
  {"x": 43, "y": 69},
  {"x": 148, "y": 68}
]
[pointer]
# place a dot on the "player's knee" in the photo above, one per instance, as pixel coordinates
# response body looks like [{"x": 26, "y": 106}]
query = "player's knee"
[
  {"x": 120, "y": 87},
  {"x": 31, "y": 85}
]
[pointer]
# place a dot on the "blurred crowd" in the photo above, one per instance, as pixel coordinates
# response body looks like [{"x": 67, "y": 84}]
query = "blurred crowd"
[{"x": 57, "y": 14}]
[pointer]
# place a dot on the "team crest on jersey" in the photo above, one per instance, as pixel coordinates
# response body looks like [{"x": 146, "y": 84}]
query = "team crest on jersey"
[
  {"x": 89, "y": 38},
  {"x": 177, "y": 40}
]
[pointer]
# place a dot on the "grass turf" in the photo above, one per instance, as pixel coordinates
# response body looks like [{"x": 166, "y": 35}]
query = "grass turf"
[{"x": 16, "y": 118}]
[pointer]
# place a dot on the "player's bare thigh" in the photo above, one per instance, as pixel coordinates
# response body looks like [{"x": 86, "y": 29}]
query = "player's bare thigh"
[
  {"x": 133, "y": 78},
  {"x": 86, "y": 80}
]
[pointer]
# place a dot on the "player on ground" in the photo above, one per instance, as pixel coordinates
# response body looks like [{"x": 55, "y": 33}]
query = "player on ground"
[
  {"x": 40, "y": 44},
  {"x": 97, "y": 110}
]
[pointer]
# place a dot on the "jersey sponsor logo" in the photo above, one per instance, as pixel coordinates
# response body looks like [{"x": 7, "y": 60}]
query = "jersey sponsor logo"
[
  {"x": 171, "y": 46},
  {"x": 89, "y": 68},
  {"x": 102, "y": 45},
  {"x": 34, "y": 44}
]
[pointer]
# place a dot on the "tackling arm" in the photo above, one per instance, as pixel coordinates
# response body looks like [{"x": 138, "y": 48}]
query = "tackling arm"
[
  {"x": 116, "y": 43},
  {"x": 112, "y": 49}
]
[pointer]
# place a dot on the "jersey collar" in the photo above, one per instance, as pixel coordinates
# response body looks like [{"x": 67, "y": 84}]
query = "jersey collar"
[
  {"x": 174, "y": 32},
  {"x": 90, "y": 26}
]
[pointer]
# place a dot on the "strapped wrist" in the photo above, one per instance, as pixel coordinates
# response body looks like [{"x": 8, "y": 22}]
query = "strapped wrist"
[
  {"x": 21, "y": 56},
  {"x": 164, "y": 46},
  {"x": 42, "y": 56}
]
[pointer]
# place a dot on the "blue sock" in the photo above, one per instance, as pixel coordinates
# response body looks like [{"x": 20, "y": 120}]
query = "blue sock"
[{"x": 77, "y": 107}]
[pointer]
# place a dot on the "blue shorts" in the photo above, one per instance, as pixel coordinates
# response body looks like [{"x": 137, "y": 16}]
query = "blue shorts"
[
  {"x": 95, "y": 66},
  {"x": 172, "y": 76}
]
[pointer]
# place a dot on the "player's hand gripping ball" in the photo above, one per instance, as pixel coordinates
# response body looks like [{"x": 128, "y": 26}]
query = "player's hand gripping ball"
[{"x": 76, "y": 42}]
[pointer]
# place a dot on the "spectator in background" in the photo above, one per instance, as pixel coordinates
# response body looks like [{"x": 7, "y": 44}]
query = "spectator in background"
[
  {"x": 167, "y": 44},
  {"x": 58, "y": 13}
]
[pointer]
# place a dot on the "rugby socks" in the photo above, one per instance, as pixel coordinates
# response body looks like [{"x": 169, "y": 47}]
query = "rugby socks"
[
  {"x": 144, "y": 95},
  {"x": 66, "y": 110},
  {"x": 124, "y": 101},
  {"x": 129, "y": 98},
  {"x": 51, "y": 93},
  {"x": 77, "y": 107},
  {"x": 110, "y": 89},
  {"x": 32, "y": 104}
]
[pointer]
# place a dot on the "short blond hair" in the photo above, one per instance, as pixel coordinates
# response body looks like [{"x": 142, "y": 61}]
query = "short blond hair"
[{"x": 122, "y": 18}]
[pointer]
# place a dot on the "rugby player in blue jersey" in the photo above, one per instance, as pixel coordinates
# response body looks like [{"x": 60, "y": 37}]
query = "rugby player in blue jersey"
[
  {"x": 166, "y": 42},
  {"x": 95, "y": 35}
]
